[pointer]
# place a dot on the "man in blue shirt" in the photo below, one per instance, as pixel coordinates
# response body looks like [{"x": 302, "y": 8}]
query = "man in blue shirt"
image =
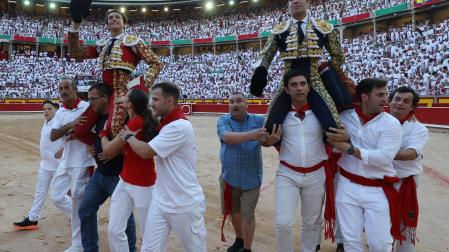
[{"x": 241, "y": 170}]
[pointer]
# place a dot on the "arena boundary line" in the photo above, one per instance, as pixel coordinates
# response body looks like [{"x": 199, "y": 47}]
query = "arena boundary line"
[{"x": 436, "y": 175}]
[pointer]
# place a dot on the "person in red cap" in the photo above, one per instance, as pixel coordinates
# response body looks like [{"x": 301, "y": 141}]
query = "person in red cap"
[
  {"x": 366, "y": 198},
  {"x": 118, "y": 58},
  {"x": 407, "y": 163}
]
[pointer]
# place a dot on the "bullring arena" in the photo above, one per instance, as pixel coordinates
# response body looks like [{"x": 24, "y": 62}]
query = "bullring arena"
[
  {"x": 20, "y": 159},
  {"x": 209, "y": 49}
]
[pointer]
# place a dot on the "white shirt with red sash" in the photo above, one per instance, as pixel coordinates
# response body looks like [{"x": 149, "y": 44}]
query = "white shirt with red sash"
[
  {"x": 378, "y": 141},
  {"x": 75, "y": 153},
  {"x": 415, "y": 136},
  {"x": 302, "y": 141}
]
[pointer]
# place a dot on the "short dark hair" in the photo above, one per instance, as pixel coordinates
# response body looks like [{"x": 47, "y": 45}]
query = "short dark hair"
[
  {"x": 168, "y": 89},
  {"x": 102, "y": 89},
  {"x": 405, "y": 89},
  {"x": 367, "y": 85},
  {"x": 293, "y": 73},
  {"x": 124, "y": 17},
  {"x": 54, "y": 104}
]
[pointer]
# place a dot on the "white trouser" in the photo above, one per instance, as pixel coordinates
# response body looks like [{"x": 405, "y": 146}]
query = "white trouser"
[
  {"x": 76, "y": 180},
  {"x": 363, "y": 207},
  {"x": 124, "y": 199},
  {"x": 291, "y": 187},
  {"x": 188, "y": 226},
  {"x": 337, "y": 232},
  {"x": 42, "y": 185},
  {"x": 407, "y": 245}
]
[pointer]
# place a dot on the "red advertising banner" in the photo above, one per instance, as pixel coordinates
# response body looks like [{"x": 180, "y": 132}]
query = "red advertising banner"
[
  {"x": 356, "y": 18},
  {"x": 248, "y": 36},
  {"x": 203, "y": 40},
  {"x": 24, "y": 39},
  {"x": 160, "y": 43}
]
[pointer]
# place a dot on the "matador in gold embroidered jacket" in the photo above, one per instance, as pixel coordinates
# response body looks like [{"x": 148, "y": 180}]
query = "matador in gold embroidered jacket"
[
  {"x": 118, "y": 58},
  {"x": 304, "y": 51}
]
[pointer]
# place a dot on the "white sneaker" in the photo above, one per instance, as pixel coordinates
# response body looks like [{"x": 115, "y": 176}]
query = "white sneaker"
[{"x": 74, "y": 249}]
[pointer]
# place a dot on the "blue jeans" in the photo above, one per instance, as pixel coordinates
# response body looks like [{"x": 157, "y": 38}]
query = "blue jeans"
[{"x": 97, "y": 191}]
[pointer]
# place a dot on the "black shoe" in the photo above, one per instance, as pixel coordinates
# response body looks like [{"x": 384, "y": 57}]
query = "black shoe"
[
  {"x": 245, "y": 250},
  {"x": 340, "y": 248},
  {"x": 25, "y": 224},
  {"x": 237, "y": 246},
  {"x": 318, "y": 247}
]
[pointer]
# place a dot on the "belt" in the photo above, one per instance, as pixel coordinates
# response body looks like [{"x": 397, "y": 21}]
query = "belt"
[{"x": 303, "y": 169}]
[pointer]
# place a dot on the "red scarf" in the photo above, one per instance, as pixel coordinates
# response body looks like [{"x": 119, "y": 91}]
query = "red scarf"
[
  {"x": 391, "y": 194},
  {"x": 365, "y": 118},
  {"x": 174, "y": 115},
  {"x": 410, "y": 115},
  {"x": 330, "y": 169},
  {"x": 74, "y": 105},
  {"x": 301, "y": 112},
  {"x": 409, "y": 206}
]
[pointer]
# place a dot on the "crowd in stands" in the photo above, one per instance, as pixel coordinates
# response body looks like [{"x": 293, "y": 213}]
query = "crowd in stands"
[
  {"x": 193, "y": 24},
  {"x": 404, "y": 57},
  {"x": 400, "y": 55},
  {"x": 339, "y": 9},
  {"x": 36, "y": 75}
]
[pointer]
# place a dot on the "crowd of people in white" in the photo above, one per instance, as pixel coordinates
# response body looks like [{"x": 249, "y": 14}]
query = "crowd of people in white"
[
  {"x": 419, "y": 58},
  {"x": 191, "y": 24},
  {"x": 400, "y": 55}
]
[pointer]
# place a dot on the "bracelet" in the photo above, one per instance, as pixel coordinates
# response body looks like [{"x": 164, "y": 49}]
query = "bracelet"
[{"x": 127, "y": 136}]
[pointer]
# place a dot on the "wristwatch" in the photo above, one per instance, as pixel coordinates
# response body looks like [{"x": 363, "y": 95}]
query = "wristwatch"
[
  {"x": 350, "y": 151},
  {"x": 127, "y": 136}
]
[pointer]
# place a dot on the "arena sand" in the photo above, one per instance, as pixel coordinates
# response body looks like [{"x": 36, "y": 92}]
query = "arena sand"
[{"x": 19, "y": 155}]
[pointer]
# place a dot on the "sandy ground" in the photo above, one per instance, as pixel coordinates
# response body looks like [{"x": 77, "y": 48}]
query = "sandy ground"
[{"x": 19, "y": 155}]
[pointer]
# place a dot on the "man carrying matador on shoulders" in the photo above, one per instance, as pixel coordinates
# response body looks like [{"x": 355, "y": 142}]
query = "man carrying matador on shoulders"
[{"x": 301, "y": 41}]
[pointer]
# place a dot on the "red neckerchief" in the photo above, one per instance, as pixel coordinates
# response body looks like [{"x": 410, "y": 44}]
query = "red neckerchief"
[
  {"x": 365, "y": 118},
  {"x": 410, "y": 115},
  {"x": 409, "y": 206},
  {"x": 301, "y": 112},
  {"x": 74, "y": 105},
  {"x": 172, "y": 116}
]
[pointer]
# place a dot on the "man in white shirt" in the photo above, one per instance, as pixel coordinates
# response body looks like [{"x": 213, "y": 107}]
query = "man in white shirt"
[
  {"x": 301, "y": 175},
  {"x": 72, "y": 173},
  {"x": 407, "y": 163},
  {"x": 366, "y": 199},
  {"x": 178, "y": 201}
]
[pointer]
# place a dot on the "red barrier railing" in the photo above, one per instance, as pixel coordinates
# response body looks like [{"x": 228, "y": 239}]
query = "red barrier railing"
[{"x": 434, "y": 115}]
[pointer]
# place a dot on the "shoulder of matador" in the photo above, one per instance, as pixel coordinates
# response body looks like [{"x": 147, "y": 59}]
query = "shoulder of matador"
[
  {"x": 322, "y": 26},
  {"x": 281, "y": 28},
  {"x": 131, "y": 40},
  {"x": 100, "y": 43}
]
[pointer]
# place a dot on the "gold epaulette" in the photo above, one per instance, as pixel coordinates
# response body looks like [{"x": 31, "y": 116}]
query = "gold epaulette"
[
  {"x": 280, "y": 28},
  {"x": 131, "y": 40},
  {"x": 322, "y": 26},
  {"x": 101, "y": 42}
]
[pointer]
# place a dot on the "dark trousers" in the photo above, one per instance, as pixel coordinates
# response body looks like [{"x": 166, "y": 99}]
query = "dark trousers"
[{"x": 98, "y": 189}]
